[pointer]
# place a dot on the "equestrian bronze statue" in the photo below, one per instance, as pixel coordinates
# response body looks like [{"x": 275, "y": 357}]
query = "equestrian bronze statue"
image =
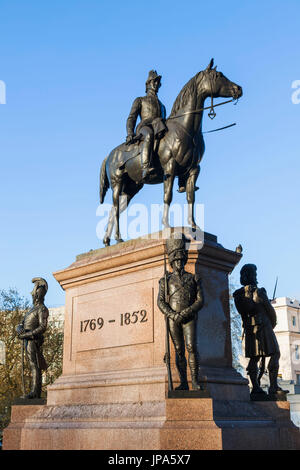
[
  {"x": 180, "y": 298},
  {"x": 259, "y": 320},
  {"x": 31, "y": 332},
  {"x": 176, "y": 145}
]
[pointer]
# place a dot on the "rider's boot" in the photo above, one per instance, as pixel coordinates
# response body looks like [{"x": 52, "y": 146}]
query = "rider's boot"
[
  {"x": 182, "y": 185},
  {"x": 147, "y": 148},
  {"x": 146, "y": 171}
]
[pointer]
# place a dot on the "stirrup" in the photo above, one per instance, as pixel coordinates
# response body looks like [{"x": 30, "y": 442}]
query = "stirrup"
[{"x": 147, "y": 171}]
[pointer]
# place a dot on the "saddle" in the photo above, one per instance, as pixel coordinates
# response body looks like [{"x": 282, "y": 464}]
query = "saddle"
[{"x": 128, "y": 151}]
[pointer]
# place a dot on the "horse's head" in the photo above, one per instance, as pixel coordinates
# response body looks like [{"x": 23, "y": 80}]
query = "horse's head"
[{"x": 217, "y": 85}]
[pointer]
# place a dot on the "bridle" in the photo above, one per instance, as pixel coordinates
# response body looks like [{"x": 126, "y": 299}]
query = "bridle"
[{"x": 212, "y": 114}]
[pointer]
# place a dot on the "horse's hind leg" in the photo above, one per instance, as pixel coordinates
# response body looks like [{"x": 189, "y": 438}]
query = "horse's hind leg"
[
  {"x": 190, "y": 196},
  {"x": 112, "y": 220},
  {"x": 109, "y": 228},
  {"x": 124, "y": 200},
  {"x": 129, "y": 190}
]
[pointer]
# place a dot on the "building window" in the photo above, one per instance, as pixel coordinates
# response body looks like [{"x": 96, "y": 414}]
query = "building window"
[
  {"x": 294, "y": 320},
  {"x": 298, "y": 379},
  {"x": 297, "y": 352}
]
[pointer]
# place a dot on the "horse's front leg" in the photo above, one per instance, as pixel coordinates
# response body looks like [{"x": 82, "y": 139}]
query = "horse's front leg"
[
  {"x": 168, "y": 191},
  {"x": 190, "y": 196},
  {"x": 116, "y": 206}
]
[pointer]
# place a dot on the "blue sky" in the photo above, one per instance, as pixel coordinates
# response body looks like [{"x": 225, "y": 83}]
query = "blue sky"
[{"x": 72, "y": 70}]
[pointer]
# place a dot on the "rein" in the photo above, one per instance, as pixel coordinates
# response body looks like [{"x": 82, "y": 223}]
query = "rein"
[
  {"x": 195, "y": 111},
  {"x": 212, "y": 114},
  {"x": 220, "y": 128}
]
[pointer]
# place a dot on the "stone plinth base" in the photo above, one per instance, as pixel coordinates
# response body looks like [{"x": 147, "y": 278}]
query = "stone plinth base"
[
  {"x": 13, "y": 433},
  {"x": 112, "y": 392},
  {"x": 169, "y": 424}
]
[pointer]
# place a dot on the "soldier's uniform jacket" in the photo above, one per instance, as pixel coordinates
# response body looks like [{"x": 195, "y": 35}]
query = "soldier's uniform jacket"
[
  {"x": 151, "y": 111},
  {"x": 35, "y": 321},
  {"x": 259, "y": 319},
  {"x": 183, "y": 294}
]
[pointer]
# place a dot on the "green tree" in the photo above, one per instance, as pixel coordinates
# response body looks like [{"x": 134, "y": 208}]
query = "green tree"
[{"x": 12, "y": 310}]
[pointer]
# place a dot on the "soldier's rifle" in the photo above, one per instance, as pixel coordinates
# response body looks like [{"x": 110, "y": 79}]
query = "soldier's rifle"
[
  {"x": 274, "y": 293},
  {"x": 167, "y": 358},
  {"x": 262, "y": 366}
]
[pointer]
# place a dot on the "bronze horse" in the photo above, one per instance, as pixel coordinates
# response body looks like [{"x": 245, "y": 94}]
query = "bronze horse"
[{"x": 178, "y": 153}]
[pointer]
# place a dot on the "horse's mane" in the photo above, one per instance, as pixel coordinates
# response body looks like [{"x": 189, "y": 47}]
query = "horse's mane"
[{"x": 189, "y": 89}]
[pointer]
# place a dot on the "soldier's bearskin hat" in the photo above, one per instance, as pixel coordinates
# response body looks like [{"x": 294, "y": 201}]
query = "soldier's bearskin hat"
[
  {"x": 247, "y": 272},
  {"x": 176, "y": 247}
]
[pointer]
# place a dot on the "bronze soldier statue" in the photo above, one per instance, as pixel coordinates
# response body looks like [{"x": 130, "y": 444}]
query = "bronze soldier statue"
[
  {"x": 152, "y": 125},
  {"x": 259, "y": 320},
  {"x": 31, "y": 331},
  {"x": 180, "y": 298}
]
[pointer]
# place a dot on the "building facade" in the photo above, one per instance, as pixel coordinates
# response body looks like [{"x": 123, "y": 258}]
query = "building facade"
[{"x": 287, "y": 333}]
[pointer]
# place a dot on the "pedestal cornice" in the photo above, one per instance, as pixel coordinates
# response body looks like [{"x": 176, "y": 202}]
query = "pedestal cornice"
[{"x": 141, "y": 253}]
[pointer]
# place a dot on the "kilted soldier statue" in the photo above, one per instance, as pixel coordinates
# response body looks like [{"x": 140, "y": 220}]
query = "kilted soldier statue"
[
  {"x": 31, "y": 332},
  {"x": 180, "y": 298},
  {"x": 259, "y": 320}
]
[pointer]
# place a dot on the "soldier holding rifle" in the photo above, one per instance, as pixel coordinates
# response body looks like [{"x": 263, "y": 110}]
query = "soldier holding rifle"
[
  {"x": 259, "y": 320},
  {"x": 180, "y": 298}
]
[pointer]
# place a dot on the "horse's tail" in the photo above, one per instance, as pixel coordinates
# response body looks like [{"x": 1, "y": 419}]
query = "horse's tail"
[{"x": 104, "y": 183}]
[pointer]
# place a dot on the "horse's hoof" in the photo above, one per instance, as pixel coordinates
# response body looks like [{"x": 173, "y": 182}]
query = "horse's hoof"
[
  {"x": 106, "y": 241},
  {"x": 166, "y": 225},
  {"x": 193, "y": 225},
  {"x": 119, "y": 240}
]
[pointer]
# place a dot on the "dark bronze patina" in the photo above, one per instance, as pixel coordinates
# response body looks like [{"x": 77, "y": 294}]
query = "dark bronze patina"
[
  {"x": 259, "y": 320},
  {"x": 31, "y": 332},
  {"x": 180, "y": 298},
  {"x": 152, "y": 125},
  {"x": 177, "y": 150}
]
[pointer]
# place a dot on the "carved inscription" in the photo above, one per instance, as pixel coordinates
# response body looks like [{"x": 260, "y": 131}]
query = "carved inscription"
[
  {"x": 106, "y": 320},
  {"x": 139, "y": 316}
]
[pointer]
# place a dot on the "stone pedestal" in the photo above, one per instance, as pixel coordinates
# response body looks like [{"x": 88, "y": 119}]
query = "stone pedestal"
[{"x": 113, "y": 390}]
